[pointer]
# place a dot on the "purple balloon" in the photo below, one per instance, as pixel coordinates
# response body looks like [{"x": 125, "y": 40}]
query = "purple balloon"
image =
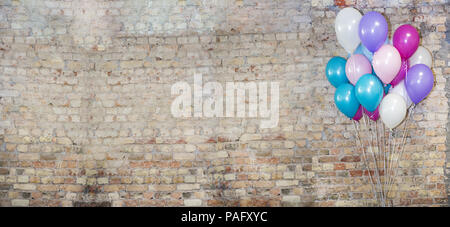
[
  {"x": 401, "y": 73},
  {"x": 359, "y": 113},
  {"x": 419, "y": 82},
  {"x": 406, "y": 40},
  {"x": 373, "y": 30}
]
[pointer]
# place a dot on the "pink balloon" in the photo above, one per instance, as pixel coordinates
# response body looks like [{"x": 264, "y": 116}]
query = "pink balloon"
[
  {"x": 401, "y": 73},
  {"x": 386, "y": 63},
  {"x": 357, "y": 65},
  {"x": 406, "y": 40}
]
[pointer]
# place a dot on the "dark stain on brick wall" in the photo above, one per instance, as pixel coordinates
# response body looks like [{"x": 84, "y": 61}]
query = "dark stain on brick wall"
[{"x": 340, "y": 3}]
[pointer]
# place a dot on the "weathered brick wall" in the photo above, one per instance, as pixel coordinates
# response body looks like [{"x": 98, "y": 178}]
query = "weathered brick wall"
[{"x": 85, "y": 105}]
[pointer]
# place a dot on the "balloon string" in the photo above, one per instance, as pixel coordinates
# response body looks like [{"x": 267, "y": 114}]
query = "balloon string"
[
  {"x": 371, "y": 180},
  {"x": 380, "y": 153},
  {"x": 396, "y": 157},
  {"x": 394, "y": 144},
  {"x": 384, "y": 149},
  {"x": 389, "y": 159},
  {"x": 402, "y": 149},
  {"x": 378, "y": 163},
  {"x": 392, "y": 163},
  {"x": 377, "y": 156},
  {"x": 377, "y": 173}
]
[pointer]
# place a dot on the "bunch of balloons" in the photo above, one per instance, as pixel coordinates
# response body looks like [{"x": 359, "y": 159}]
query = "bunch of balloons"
[{"x": 380, "y": 78}]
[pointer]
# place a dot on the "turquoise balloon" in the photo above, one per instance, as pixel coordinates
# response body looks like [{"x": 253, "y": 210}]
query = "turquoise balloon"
[
  {"x": 345, "y": 100},
  {"x": 335, "y": 71},
  {"x": 369, "y": 91}
]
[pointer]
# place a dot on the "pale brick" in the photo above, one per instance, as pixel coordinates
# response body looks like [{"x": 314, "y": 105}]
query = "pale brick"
[
  {"x": 25, "y": 187},
  {"x": 192, "y": 202},
  {"x": 184, "y": 156},
  {"x": 20, "y": 202}
]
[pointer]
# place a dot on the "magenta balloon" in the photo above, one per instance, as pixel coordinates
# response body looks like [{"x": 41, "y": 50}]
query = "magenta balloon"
[
  {"x": 373, "y": 30},
  {"x": 375, "y": 115},
  {"x": 406, "y": 40},
  {"x": 359, "y": 113},
  {"x": 357, "y": 65},
  {"x": 419, "y": 82},
  {"x": 401, "y": 74}
]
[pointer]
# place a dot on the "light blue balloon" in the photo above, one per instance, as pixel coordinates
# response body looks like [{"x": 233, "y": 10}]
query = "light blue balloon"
[
  {"x": 369, "y": 91},
  {"x": 345, "y": 100},
  {"x": 361, "y": 49},
  {"x": 335, "y": 71},
  {"x": 387, "y": 41}
]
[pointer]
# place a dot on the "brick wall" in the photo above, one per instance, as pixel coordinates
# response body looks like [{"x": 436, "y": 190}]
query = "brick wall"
[{"x": 85, "y": 91}]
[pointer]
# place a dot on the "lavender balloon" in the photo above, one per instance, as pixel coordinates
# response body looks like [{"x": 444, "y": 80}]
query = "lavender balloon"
[
  {"x": 373, "y": 30},
  {"x": 419, "y": 82}
]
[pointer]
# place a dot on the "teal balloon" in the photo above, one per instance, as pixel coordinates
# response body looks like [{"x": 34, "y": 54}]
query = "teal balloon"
[
  {"x": 369, "y": 91},
  {"x": 335, "y": 71},
  {"x": 345, "y": 100}
]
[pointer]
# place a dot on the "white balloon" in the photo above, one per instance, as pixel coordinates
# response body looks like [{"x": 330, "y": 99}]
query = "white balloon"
[
  {"x": 392, "y": 110},
  {"x": 346, "y": 27},
  {"x": 400, "y": 89},
  {"x": 421, "y": 56}
]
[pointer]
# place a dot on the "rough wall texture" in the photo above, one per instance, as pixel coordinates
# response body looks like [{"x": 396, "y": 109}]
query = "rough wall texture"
[{"x": 85, "y": 115}]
